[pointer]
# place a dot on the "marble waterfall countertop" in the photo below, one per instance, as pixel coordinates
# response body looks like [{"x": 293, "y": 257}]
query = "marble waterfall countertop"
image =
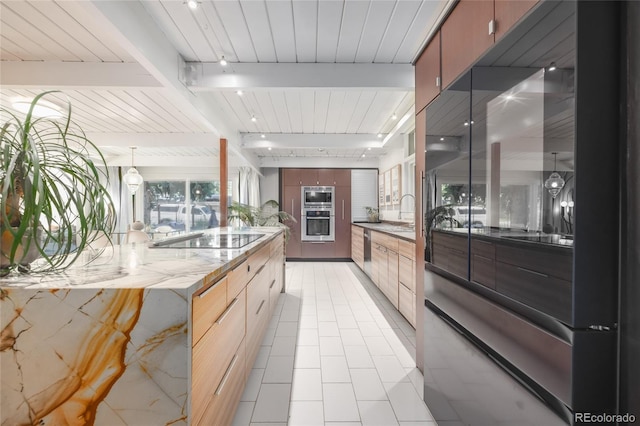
[
  {"x": 138, "y": 266},
  {"x": 108, "y": 343}
]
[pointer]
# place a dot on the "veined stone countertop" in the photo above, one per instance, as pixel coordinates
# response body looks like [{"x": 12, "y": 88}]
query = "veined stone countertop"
[
  {"x": 109, "y": 343},
  {"x": 138, "y": 266},
  {"x": 400, "y": 231}
]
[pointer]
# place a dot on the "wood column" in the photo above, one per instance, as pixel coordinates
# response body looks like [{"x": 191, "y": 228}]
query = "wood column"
[{"x": 224, "y": 182}]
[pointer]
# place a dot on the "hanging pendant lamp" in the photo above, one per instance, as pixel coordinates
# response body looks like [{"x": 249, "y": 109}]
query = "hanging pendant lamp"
[
  {"x": 554, "y": 182},
  {"x": 132, "y": 178}
]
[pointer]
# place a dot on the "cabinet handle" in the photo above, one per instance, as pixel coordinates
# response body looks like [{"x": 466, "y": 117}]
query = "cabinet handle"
[
  {"x": 342, "y": 209},
  {"x": 540, "y": 274},
  {"x": 486, "y": 259},
  {"x": 226, "y": 375},
  {"x": 438, "y": 81},
  {"x": 260, "y": 307},
  {"x": 492, "y": 27},
  {"x": 272, "y": 284},
  {"x": 207, "y": 291},
  {"x": 226, "y": 311},
  {"x": 292, "y": 214},
  {"x": 483, "y": 242},
  {"x": 261, "y": 268}
]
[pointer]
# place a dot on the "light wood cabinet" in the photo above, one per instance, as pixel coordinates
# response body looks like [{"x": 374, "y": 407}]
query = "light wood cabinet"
[
  {"x": 428, "y": 76},
  {"x": 229, "y": 320},
  {"x": 213, "y": 354},
  {"x": 393, "y": 271},
  {"x": 357, "y": 245}
]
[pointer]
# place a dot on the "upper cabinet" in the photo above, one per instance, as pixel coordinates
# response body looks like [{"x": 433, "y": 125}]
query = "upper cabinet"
[
  {"x": 508, "y": 12},
  {"x": 471, "y": 29},
  {"x": 313, "y": 177},
  {"x": 465, "y": 37},
  {"x": 428, "y": 78}
]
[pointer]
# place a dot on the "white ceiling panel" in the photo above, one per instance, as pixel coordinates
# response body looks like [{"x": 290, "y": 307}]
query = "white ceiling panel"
[
  {"x": 157, "y": 99},
  {"x": 355, "y": 16},
  {"x": 305, "y": 19}
]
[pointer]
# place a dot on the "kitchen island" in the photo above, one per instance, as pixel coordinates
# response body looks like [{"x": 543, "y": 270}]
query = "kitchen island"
[{"x": 140, "y": 336}]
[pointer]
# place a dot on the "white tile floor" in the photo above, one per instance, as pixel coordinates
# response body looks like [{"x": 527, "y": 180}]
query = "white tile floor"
[{"x": 337, "y": 354}]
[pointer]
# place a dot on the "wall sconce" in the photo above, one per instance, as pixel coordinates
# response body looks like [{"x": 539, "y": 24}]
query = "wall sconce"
[
  {"x": 132, "y": 178},
  {"x": 554, "y": 182}
]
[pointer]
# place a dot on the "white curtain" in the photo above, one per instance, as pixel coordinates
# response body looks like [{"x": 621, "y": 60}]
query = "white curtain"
[
  {"x": 121, "y": 199},
  {"x": 248, "y": 187}
]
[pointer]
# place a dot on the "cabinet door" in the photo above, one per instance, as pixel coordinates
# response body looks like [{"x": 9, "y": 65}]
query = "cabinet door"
[
  {"x": 427, "y": 70},
  {"x": 343, "y": 222},
  {"x": 508, "y": 12},
  {"x": 309, "y": 177},
  {"x": 392, "y": 277},
  {"x": 342, "y": 177},
  {"x": 465, "y": 37},
  {"x": 406, "y": 273},
  {"x": 291, "y": 204},
  {"x": 326, "y": 177},
  {"x": 292, "y": 177}
]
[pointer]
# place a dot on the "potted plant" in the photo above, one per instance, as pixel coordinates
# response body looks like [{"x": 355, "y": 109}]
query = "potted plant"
[
  {"x": 373, "y": 214},
  {"x": 265, "y": 215},
  {"x": 53, "y": 202},
  {"x": 440, "y": 216}
]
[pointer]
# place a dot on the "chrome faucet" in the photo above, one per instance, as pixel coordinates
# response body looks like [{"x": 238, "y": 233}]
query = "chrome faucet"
[{"x": 400, "y": 203}]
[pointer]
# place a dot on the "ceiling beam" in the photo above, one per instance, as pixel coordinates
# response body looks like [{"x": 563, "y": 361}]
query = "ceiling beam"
[
  {"x": 134, "y": 29},
  {"x": 201, "y": 76},
  {"x": 75, "y": 75}
]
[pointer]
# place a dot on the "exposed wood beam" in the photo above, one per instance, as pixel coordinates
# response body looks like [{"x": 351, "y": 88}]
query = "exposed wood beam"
[
  {"x": 75, "y": 75},
  {"x": 212, "y": 76}
]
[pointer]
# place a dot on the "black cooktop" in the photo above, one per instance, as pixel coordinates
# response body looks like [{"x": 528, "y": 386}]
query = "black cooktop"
[{"x": 211, "y": 241}]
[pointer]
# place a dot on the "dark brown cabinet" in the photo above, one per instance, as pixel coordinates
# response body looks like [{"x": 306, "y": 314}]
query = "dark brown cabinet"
[
  {"x": 291, "y": 204},
  {"x": 508, "y": 12},
  {"x": 465, "y": 37},
  {"x": 483, "y": 262},
  {"x": 292, "y": 177},
  {"x": 343, "y": 221},
  {"x": 428, "y": 77}
]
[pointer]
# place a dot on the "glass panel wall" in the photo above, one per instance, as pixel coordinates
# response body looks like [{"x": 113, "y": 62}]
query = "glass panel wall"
[{"x": 169, "y": 209}]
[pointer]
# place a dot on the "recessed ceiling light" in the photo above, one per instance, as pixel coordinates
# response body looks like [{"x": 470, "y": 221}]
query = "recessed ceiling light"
[
  {"x": 253, "y": 118},
  {"x": 441, "y": 139},
  {"x": 291, "y": 154},
  {"x": 362, "y": 155},
  {"x": 369, "y": 149},
  {"x": 552, "y": 66},
  {"x": 239, "y": 92},
  {"x": 263, "y": 136},
  {"x": 394, "y": 116},
  {"x": 379, "y": 135},
  {"x": 223, "y": 61},
  {"x": 41, "y": 109},
  {"x": 193, "y": 4},
  {"x": 269, "y": 148}
]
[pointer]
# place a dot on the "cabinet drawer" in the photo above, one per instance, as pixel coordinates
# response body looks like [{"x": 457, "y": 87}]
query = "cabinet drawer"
[
  {"x": 208, "y": 304},
  {"x": 237, "y": 278},
  {"x": 216, "y": 348},
  {"x": 484, "y": 248},
  {"x": 257, "y": 312},
  {"x": 545, "y": 293},
  {"x": 483, "y": 270},
  {"x": 555, "y": 262},
  {"x": 407, "y": 249},
  {"x": 406, "y": 273},
  {"x": 385, "y": 240},
  {"x": 226, "y": 396},
  {"x": 407, "y": 304}
]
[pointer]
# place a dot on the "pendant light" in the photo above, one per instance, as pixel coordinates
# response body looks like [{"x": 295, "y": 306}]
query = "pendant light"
[
  {"x": 554, "y": 182},
  {"x": 132, "y": 178}
]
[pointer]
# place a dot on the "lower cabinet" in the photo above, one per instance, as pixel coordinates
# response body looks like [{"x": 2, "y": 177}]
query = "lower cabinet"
[
  {"x": 393, "y": 271},
  {"x": 229, "y": 319},
  {"x": 357, "y": 245}
]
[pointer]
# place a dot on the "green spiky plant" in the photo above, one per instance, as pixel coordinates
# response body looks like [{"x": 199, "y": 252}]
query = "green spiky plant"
[
  {"x": 53, "y": 199},
  {"x": 436, "y": 218},
  {"x": 265, "y": 215}
]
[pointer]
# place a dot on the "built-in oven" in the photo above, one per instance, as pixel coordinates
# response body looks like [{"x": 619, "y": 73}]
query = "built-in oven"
[
  {"x": 318, "y": 197},
  {"x": 318, "y": 225}
]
